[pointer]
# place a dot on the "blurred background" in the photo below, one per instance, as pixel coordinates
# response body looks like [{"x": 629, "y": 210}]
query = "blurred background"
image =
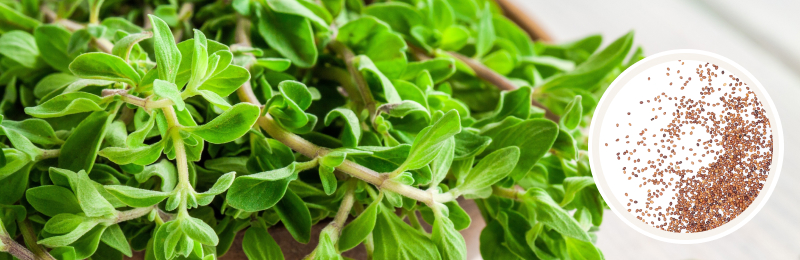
[{"x": 763, "y": 37}]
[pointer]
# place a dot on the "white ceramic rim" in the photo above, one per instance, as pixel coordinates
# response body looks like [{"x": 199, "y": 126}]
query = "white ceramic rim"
[{"x": 777, "y": 139}]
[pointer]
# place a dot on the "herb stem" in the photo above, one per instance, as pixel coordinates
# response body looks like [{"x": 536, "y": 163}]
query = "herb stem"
[
  {"x": 29, "y": 235},
  {"x": 412, "y": 218},
  {"x": 486, "y": 74},
  {"x": 15, "y": 249},
  {"x": 508, "y": 193},
  {"x": 101, "y": 44},
  {"x": 361, "y": 84},
  {"x": 180, "y": 150},
  {"x": 500, "y": 81},
  {"x": 123, "y": 216},
  {"x": 50, "y": 153},
  {"x": 180, "y": 158},
  {"x": 146, "y": 103}
]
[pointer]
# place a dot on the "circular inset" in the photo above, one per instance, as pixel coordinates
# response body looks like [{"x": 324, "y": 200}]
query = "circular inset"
[{"x": 685, "y": 146}]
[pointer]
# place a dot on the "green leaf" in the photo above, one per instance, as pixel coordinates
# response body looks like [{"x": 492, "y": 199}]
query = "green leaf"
[
  {"x": 13, "y": 20},
  {"x": 223, "y": 183},
  {"x": 594, "y": 69},
  {"x": 136, "y": 197},
  {"x": 540, "y": 134},
  {"x": 52, "y": 41},
  {"x": 52, "y": 83},
  {"x": 492, "y": 242},
  {"x": 470, "y": 144},
  {"x": 515, "y": 227},
  {"x": 403, "y": 108},
  {"x": 572, "y": 113},
  {"x": 215, "y": 65},
  {"x": 98, "y": 65},
  {"x": 373, "y": 74},
  {"x": 72, "y": 226},
  {"x": 394, "y": 239},
  {"x": 328, "y": 179},
  {"x": 21, "y": 47},
  {"x": 552, "y": 215},
  {"x": 500, "y": 61},
  {"x": 370, "y": 37},
  {"x": 67, "y": 104},
  {"x": 351, "y": 131},
  {"x": 260, "y": 191},
  {"x": 442, "y": 162},
  {"x": 228, "y": 126},
  {"x": 52, "y": 200},
  {"x": 80, "y": 149},
  {"x": 15, "y": 160},
  {"x": 449, "y": 242},
  {"x": 441, "y": 14},
  {"x": 199, "y": 231},
  {"x": 124, "y": 46},
  {"x": 83, "y": 83},
  {"x": 21, "y": 143},
  {"x": 326, "y": 248},
  {"x": 295, "y": 216},
  {"x": 298, "y": 9},
  {"x": 572, "y": 185},
  {"x": 199, "y": 60},
  {"x": 400, "y": 16},
  {"x": 258, "y": 244},
  {"x": 508, "y": 30},
  {"x": 489, "y": 170},
  {"x": 275, "y": 64},
  {"x": 167, "y": 55},
  {"x": 141, "y": 155},
  {"x": 581, "y": 250},
  {"x": 168, "y": 90},
  {"x": 215, "y": 99},
  {"x": 429, "y": 140},
  {"x": 164, "y": 170},
  {"x": 565, "y": 146},
  {"x": 12, "y": 188},
  {"x": 516, "y": 103},
  {"x": 79, "y": 41},
  {"x": 486, "y": 36},
  {"x": 454, "y": 38},
  {"x": 114, "y": 238},
  {"x": 358, "y": 229},
  {"x": 290, "y": 35},
  {"x": 92, "y": 203}
]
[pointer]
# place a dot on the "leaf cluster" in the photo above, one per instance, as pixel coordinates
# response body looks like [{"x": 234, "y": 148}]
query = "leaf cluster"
[{"x": 144, "y": 129}]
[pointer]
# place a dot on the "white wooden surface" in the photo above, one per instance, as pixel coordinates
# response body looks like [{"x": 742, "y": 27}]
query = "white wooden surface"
[{"x": 763, "y": 37}]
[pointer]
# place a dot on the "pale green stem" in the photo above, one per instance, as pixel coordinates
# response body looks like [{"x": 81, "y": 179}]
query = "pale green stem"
[
  {"x": 507, "y": 193},
  {"x": 50, "y": 153},
  {"x": 361, "y": 84},
  {"x": 123, "y": 216},
  {"x": 302, "y": 166},
  {"x": 29, "y": 235},
  {"x": 412, "y": 218},
  {"x": 180, "y": 157},
  {"x": 94, "y": 13},
  {"x": 146, "y": 103}
]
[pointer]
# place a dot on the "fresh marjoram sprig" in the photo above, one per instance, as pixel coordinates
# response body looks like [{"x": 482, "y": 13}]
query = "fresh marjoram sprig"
[{"x": 119, "y": 135}]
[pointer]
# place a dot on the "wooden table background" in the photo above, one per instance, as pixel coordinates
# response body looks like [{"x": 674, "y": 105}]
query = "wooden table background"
[{"x": 763, "y": 37}]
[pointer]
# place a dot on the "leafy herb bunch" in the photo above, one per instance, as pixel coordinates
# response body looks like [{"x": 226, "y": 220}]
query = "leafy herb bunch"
[{"x": 118, "y": 139}]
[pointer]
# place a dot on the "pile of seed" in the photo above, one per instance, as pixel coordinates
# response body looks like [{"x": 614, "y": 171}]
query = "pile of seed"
[{"x": 736, "y": 148}]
